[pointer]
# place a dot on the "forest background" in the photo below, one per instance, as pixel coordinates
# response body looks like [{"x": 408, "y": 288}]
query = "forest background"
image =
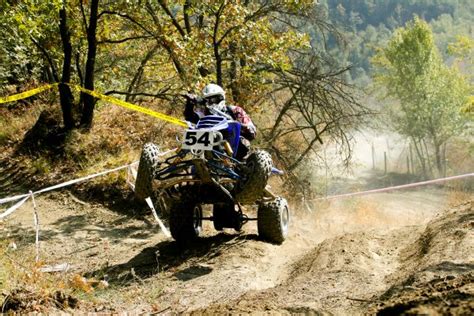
[{"x": 304, "y": 70}]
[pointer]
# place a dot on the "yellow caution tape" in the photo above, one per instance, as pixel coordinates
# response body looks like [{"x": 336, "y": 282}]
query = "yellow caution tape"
[
  {"x": 107, "y": 98},
  {"x": 26, "y": 94},
  {"x": 134, "y": 107}
]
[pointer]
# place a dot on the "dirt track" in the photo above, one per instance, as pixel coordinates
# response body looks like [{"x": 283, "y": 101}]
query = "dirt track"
[{"x": 351, "y": 256}]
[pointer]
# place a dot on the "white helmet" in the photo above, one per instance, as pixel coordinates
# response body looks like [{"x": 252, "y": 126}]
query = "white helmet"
[{"x": 214, "y": 96}]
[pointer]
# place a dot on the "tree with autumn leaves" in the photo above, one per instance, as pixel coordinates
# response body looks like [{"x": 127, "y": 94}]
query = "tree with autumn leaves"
[{"x": 146, "y": 50}]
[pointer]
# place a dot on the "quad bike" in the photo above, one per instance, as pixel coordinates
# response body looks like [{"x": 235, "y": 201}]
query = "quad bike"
[{"x": 204, "y": 170}]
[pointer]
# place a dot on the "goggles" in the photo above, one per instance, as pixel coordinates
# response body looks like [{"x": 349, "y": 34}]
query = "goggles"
[{"x": 215, "y": 99}]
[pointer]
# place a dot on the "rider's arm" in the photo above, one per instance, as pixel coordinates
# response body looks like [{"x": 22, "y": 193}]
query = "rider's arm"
[
  {"x": 189, "y": 114},
  {"x": 249, "y": 130}
]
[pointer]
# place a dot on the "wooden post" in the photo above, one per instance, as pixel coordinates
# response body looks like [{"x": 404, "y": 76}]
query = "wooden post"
[
  {"x": 385, "y": 162},
  {"x": 445, "y": 167},
  {"x": 408, "y": 165},
  {"x": 373, "y": 157},
  {"x": 37, "y": 225}
]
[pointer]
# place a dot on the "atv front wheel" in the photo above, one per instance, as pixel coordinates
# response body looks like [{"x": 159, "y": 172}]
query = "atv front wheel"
[
  {"x": 149, "y": 160},
  {"x": 185, "y": 220},
  {"x": 256, "y": 171},
  {"x": 273, "y": 220}
]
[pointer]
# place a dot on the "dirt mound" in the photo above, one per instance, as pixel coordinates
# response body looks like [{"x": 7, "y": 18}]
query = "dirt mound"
[
  {"x": 448, "y": 237},
  {"x": 451, "y": 295},
  {"x": 338, "y": 276},
  {"x": 346, "y": 258},
  {"x": 424, "y": 269},
  {"x": 437, "y": 271}
]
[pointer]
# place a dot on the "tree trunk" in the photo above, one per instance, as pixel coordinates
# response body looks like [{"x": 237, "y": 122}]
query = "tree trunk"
[
  {"x": 218, "y": 58},
  {"x": 430, "y": 164},
  {"x": 419, "y": 153},
  {"x": 65, "y": 94},
  {"x": 438, "y": 158},
  {"x": 215, "y": 44},
  {"x": 233, "y": 75},
  {"x": 89, "y": 101},
  {"x": 138, "y": 75}
]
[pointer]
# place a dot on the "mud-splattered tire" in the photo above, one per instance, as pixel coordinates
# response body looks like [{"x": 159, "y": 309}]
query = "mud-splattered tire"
[
  {"x": 256, "y": 171},
  {"x": 273, "y": 220},
  {"x": 185, "y": 220},
  {"x": 149, "y": 160}
]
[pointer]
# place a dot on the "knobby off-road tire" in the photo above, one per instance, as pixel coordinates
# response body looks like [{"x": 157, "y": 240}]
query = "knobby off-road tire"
[
  {"x": 254, "y": 178},
  {"x": 185, "y": 220},
  {"x": 149, "y": 160},
  {"x": 273, "y": 220}
]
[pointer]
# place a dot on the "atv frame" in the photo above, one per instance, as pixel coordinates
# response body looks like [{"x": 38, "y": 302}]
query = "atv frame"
[{"x": 182, "y": 180}]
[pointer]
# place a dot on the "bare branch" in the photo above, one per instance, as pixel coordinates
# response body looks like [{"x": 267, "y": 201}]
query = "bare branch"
[
  {"x": 187, "y": 24},
  {"x": 110, "y": 41},
  {"x": 127, "y": 17},
  {"x": 48, "y": 58},
  {"x": 171, "y": 16},
  {"x": 164, "y": 96},
  {"x": 83, "y": 14},
  {"x": 138, "y": 75}
]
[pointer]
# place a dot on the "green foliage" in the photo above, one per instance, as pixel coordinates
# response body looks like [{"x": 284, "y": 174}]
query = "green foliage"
[
  {"x": 463, "y": 50},
  {"x": 430, "y": 94},
  {"x": 367, "y": 24},
  {"x": 463, "y": 47},
  {"x": 155, "y": 47},
  {"x": 195, "y": 41}
]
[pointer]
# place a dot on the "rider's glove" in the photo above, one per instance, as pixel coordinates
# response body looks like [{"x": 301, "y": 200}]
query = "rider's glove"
[{"x": 192, "y": 99}]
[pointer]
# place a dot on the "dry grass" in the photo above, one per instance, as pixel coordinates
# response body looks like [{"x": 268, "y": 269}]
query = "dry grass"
[
  {"x": 456, "y": 196},
  {"x": 20, "y": 275},
  {"x": 14, "y": 123},
  {"x": 115, "y": 139},
  {"x": 22, "y": 280}
]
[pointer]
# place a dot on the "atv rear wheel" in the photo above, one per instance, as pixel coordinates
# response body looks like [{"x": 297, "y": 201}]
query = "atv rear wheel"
[
  {"x": 273, "y": 220},
  {"x": 149, "y": 160},
  {"x": 185, "y": 220},
  {"x": 256, "y": 171}
]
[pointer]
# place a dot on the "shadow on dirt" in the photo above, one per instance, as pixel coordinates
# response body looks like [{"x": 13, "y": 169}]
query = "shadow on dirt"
[
  {"x": 451, "y": 267},
  {"x": 46, "y": 136},
  {"x": 69, "y": 226},
  {"x": 116, "y": 197},
  {"x": 12, "y": 178},
  {"x": 168, "y": 255},
  {"x": 192, "y": 272}
]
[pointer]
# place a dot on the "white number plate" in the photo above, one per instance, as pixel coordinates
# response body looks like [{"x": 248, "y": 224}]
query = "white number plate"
[{"x": 198, "y": 139}]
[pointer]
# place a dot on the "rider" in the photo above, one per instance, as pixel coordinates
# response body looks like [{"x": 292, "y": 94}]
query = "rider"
[{"x": 213, "y": 96}]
